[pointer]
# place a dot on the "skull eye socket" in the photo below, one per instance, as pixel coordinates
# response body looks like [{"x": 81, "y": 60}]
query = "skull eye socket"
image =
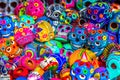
[
  {"x": 8, "y": 25},
  {"x": 2, "y": 5},
  {"x": 113, "y": 66},
  {"x": 73, "y": 35},
  {"x": 0, "y": 27},
  {"x": 12, "y": 42},
  {"x": 82, "y": 21},
  {"x": 82, "y": 37},
  {"x": 57, "y": 1},
  {"x": 68, "y": 28},
  {"x": 114, "y": 25},
  {"x": 97, "y": 43},
  {"x": 8, "y": 49},
  {"x": 94, "y": 17},
  {"x": 14, "y": 4}
]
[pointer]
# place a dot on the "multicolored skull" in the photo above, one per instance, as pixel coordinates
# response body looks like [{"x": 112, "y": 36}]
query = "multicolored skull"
[
  {"x": 9, "y": 48},
  {"x": 62, "y": 32},
  {"x": 44, "y": 31},
  {"x": 35, "y": 8},
  {"x": 24, "y": 36},
  {"x": 54, "y": 11},
  {"x": 99, "y": 12},
  {"x": 26, "y": 21},
  {"x": 78, "y": 37},
  {"x": 97, "y": 41},
  {"x": 112, "y": 64},
  {"x": 6, "y": 26},
  {"x": 8, "y": 6},
  {"x": 101, "y": 73},
  {"x": 81, "y": 70},
  {"x": 68, "y": 3},
  {"x": 19, "y": 10}
]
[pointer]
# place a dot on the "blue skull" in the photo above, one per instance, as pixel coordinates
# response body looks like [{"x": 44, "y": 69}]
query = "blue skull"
[
  {"x": 99, "y": 13},
  {"x": 81, "y": 70},
  {"x": 97, "y": 41},
  {"x": 113, "y": 64},
  {"x": 78, "y": 37},
  {"x": 6, "y": 26}
]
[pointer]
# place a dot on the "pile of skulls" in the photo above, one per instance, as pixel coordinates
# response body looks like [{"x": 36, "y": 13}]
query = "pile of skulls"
[{"x": 59, "y": 40}]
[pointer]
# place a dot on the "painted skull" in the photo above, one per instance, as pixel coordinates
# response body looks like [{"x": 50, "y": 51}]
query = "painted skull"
[
  {"x": 54, "y": 11},
  {"x": 97, "y": 41},
  {"x": 6, "y": 26},
  {"x": 68, "y": 3},
  {"x": 26, "y": 21},
  {"x": 24, "y": 36},
  {"x": 62, "y": 32},
  {"x": 78, "y": 37},
  {"x": 44, "y": 31},
  {"x": 28, "y": 62},
  {"x": 9, "y": 48},
  {"x": 101, "y": 73},
  {"x": 8, "y": 6},
  {"x": 81, "y": 70},
  {"x": 99, "y": 12},
  {"x": 35, "y": 8},
  {"x": 112, "y": 64}
]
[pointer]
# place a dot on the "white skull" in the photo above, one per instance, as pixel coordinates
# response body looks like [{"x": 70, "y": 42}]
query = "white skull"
[{"x": 8, "y": 6}]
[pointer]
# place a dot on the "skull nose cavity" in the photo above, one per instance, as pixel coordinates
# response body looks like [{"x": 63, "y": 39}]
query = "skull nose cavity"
[
  {"x": 8, "y": 9},
  {"x": 77, "y": 40}
]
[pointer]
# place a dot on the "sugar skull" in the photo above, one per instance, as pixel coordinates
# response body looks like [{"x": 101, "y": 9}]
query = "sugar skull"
[
  {"x": 6, "y": 26},
  {"x": 44, "y": 31},
  {"x": 97, "y": 41},
  {"x": 35, "y": 8},
  {"x": 9, "y": 48},
  {"x": 24, "y": 36},
  {"x": 81, "y": 70},
  {"x": 78, "y": 37},
  {"x": 19, "y": 10},
  {"x": 54, "y": 11},
  {"x": 112, "y": 64},
  {"x": 28, "y": 62},
  {"x": 99, "y": 12},
  {"x": 68, "y": 3},
  {"x": 8, "y": 6},
  {"x": 101, "y": 73},
  {"x": 62, "y": 32},
  {"x": 26, "y": 21}
]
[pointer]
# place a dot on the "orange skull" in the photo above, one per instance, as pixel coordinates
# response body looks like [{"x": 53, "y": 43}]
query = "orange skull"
[{"x": 9, "y": 48}]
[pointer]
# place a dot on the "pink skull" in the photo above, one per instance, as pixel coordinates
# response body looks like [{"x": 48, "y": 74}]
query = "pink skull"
[
  {"x": 23, "y": 36},
  {"x": 35, "y": 8}
]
